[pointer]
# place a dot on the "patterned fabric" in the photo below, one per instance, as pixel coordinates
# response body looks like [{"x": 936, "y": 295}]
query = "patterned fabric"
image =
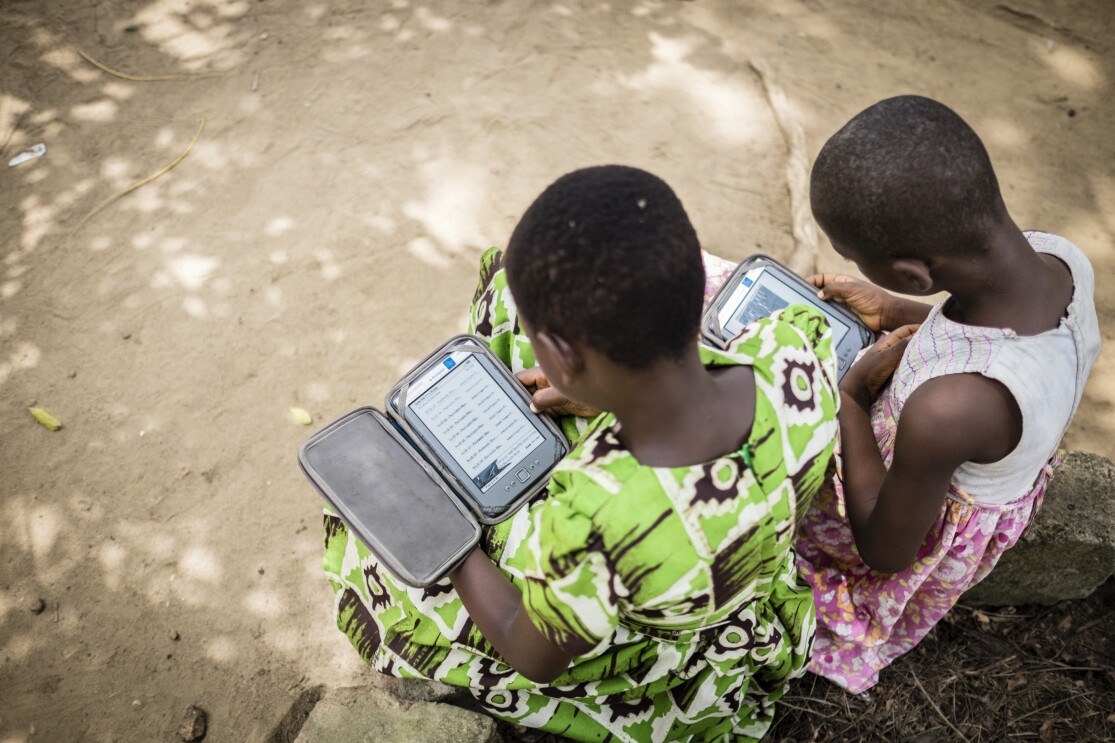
[
  {"x": 717, "y": 271},
  {"x": 867, "y": 619},
  {"x": 674, "y": 587}
]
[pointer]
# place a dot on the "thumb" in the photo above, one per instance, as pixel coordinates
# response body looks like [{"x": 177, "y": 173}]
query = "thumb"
[
  {"x": 533, "y": 377},
  {"x": 547, "y": 398},
  {"x": 899, "y": 337}
]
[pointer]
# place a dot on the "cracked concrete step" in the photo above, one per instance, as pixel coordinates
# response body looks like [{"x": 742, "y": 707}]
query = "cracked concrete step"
[
  {"x": 373, "y": 715},
  {"x": 1069, "y": 550}
]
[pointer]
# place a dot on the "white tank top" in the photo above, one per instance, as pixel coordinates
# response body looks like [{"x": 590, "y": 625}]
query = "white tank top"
[{"x": 1045, "y": 373}]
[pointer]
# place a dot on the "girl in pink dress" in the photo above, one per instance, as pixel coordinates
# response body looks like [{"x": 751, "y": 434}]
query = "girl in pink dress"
[{"x": 941, "y": 467}]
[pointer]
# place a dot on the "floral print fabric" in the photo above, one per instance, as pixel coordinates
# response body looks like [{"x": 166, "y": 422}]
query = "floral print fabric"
[
  {"x": 674, "y": 587},
  {"x": 867, "y": 619}
]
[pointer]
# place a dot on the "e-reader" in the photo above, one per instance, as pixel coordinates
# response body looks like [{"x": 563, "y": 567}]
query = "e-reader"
[
  {"x": 465, "y": 410},
  {"x": 457, "y": 446},
  {"x": 758, "y": 287}
]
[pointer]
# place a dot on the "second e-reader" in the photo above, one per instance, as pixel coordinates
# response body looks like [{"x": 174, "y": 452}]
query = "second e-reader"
[{"x": 760, "y": 286}]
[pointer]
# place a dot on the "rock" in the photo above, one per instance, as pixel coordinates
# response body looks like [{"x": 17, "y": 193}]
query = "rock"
[
  {"x": 37, "y": 606},
  {"x": 421, "y": 690},
  {"x": 194, "y": 724},
  {"x": 1069, "y": 550},
  {"x": 373, "y": 715}
]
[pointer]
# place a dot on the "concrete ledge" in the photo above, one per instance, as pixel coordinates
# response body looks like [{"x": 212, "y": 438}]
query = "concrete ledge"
[
  {"x": 373, "y": 715},
  {"x": 1069, "y": 550}
]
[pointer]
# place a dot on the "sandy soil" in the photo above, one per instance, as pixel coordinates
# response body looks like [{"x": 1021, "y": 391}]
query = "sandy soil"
[{"x": 322, "y": 235}]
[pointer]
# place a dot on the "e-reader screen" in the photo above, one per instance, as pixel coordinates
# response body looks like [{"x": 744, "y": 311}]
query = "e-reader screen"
[
  {"x": 761, "y": 293},
  {"x": 483, "y": 431},
  {"x": 388, "y": 499}
]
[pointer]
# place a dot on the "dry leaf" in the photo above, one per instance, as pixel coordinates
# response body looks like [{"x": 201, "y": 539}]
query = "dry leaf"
[
  {"x": 45, "y": 418},
  {"x": 1015, "y": 683},
  {"x": 1065, "y": 623},
  {"x": 301, "y": 416},
  {"x": 1046, "y": 732}
]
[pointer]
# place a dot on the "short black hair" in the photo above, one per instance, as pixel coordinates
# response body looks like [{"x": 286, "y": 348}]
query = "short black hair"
[
  {"x": 607, "y": 256},
  {"x": 906, "y": 177}
]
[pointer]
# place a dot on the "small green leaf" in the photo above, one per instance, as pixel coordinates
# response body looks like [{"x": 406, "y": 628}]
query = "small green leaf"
[
  {"x": 45, "y": 418},
  {"x": 301, "y": 416}
]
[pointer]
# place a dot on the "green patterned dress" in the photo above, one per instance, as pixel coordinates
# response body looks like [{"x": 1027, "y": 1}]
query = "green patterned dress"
[{"x": 674, "y": 587}]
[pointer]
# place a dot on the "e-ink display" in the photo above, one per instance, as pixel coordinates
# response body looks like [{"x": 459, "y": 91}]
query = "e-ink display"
[
  {"x": 762, "y": 296},
  {"x": 477, "y": 423}
]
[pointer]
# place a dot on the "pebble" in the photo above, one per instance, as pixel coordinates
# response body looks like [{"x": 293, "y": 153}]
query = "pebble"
[
  {"x": 37, "y": 606},
  {"x": 126, "y": 335},
  {"x": 193, "y": 724},
  {"x": 174, "y": 635},
  {"x": 1071, "y": 112}
]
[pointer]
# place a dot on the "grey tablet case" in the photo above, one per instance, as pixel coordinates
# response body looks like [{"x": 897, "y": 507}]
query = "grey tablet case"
[
  {"x": 391, "y": 499},
  {"x": 395, "y": 493},
  {"x": 714, "y": 334}
]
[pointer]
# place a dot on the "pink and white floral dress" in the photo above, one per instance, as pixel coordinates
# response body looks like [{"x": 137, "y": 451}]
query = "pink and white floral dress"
[{"x": 867, "y": 619}]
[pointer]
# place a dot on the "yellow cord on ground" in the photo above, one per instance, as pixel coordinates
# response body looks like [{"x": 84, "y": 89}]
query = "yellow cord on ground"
[
  {"x": 137, "y": 184},
  {"x": 139, "y": 78}
]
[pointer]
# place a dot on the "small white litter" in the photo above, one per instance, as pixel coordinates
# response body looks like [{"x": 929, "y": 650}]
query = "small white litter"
[{"x": 37, "y": 151}]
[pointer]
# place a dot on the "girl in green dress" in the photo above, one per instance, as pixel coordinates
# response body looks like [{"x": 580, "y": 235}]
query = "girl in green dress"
[{"x": 651, "y": 594}]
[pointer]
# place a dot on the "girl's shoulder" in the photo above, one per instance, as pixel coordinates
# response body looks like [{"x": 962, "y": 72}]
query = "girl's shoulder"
[
  {"x": 600, "y": 469},
  {"x": 598, "y": 461}
]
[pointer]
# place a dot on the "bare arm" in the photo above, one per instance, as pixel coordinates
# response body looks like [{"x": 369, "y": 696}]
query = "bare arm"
[
  {"x": 496, "y": 607},
  {"x": 947, "y": 421}
]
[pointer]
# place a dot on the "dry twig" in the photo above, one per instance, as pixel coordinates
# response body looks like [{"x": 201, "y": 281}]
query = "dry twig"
[
  {"x": 143, "y": 78},
  {"x": 137, "y": 184},
  {"x": 937, "y": 709}
]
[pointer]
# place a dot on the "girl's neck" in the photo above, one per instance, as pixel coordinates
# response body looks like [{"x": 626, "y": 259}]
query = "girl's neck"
[
  {"x": 681, "y": 413},
  {"x": 1009, "y": 286}
]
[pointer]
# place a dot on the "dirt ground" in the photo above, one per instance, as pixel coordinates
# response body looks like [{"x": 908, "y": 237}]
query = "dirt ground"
[{"x": 321, "y": 234}]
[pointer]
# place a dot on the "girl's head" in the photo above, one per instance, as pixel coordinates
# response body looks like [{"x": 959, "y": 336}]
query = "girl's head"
[
  {"x": 906, "y": 178},
  {"x": 606, "y": 259}
]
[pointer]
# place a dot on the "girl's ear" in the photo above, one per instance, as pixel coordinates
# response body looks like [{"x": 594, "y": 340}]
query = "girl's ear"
[
  {"x": 916, "y": 274},
  {"x": 569, "y": 360}
]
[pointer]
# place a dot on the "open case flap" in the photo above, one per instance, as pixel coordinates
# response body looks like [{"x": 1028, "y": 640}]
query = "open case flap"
[{"x": 388, "y": 496}]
